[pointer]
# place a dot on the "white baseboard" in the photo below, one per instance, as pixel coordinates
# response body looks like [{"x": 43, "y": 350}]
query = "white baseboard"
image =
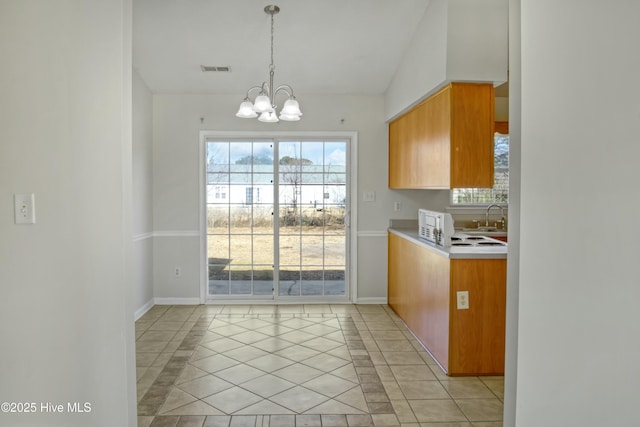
[
  {"x": 196, "y": 301},
  {"x": 373, "y": 233},
  {"x": 176, "y": 301},
  {"x": 142, "y": 310},
  {"x": 376, "y": 300}
]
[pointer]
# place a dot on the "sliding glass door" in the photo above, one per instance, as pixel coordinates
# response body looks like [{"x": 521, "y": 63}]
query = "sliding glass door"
[{"x": 301, "y": 251}]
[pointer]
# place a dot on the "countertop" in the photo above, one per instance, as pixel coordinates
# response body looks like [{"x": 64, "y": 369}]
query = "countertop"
[{"x": 453, "y": 252}]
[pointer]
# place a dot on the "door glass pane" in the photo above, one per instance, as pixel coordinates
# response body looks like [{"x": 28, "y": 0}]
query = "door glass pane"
[
  {"x": 262, "y": 157},
  {"x": 290, "y": 219},
  {"x": 334, "y": 283},
  {"x": 263, "y": 219},
  {"x": 289, "y": 280},
  {"x": 312, "y": 157},
  {"x": 263, "y": 249},
  {"x": 312, "y": 251},
  {"x": 241, "y": 276},
  {"x": 240, "y": 218},
  {"x": 240, "y": 156},
  {"x": 290, "y": 250},
  {"x": 335, "y": 194},
  {"x": 218, "y": 219},
  {"x": 262, "y": 279},
  {"x": 334, "y": 249},
  {"x": 217, "y": 157},
  {"x": 218, "y": 280},
  {"x": 241, "y": 249},
  {"x": 288, "y": 150},
  {"x": 335, "y": 157},
  {"x": 263, "y": 178},
  {"x": 312, "y": 281},
  {"x": 313, "y": 206},
  {"x": 219, "y": 249}
]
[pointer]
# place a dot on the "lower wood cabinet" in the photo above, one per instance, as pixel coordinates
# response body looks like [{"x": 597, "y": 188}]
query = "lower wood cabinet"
[{"x": 422, "y": 291}]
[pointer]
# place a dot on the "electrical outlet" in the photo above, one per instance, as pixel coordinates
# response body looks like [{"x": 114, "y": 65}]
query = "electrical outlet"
[
  {"x": 177, "y": 271},
  {"x": 397, "y": 206},
  {"x": 463, "y": 300},
  {"x": 24, "y": 208}
]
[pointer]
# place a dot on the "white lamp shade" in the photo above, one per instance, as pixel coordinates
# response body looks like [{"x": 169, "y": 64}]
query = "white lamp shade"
[
  {"x": 262, "y": 104},
  {"x": 268, "y": 117},
  {"x": 246, "y": 111},
  {"x": 289, "y": 117},
  {"x": 291, "y": 108}
]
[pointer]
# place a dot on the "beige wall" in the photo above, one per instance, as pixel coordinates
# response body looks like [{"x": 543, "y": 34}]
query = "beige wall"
[
  {"x": 142, "y": 195},
  {"x": 66, "y": 314},
  {"x": 577, "y": 356}
]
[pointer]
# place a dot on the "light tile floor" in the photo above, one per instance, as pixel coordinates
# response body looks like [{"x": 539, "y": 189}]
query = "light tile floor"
[{"x": 298, "y": 365}]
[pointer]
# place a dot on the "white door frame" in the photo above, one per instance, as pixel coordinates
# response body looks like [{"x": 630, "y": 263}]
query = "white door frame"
[{"x": 351, "y": 218}]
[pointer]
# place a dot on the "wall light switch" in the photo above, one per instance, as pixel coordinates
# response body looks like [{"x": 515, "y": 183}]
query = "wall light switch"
[
  {"x": 463, "y": 300},
  {"x": 24, "y": 208}
]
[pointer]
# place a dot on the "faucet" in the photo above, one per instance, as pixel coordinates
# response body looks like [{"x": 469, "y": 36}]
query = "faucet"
[{"x": 486, "y": 215}]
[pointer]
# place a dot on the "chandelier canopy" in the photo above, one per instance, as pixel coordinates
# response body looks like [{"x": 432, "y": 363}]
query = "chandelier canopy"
[{"x": 264, "y": 103}]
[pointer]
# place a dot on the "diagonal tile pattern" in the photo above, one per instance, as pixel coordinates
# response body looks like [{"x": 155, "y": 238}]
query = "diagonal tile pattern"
[{"x": 297, "y": 365}]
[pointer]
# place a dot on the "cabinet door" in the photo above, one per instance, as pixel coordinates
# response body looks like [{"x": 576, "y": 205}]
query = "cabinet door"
[
  {"x": 478, "y": 333},
  {"x": 401, "y": 167},
  {"x": 472, "y": 128},
  {"x": 432, "y": 141}
]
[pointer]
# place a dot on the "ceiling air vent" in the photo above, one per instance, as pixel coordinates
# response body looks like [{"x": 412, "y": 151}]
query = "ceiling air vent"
[{"x": 211, "y": 68}]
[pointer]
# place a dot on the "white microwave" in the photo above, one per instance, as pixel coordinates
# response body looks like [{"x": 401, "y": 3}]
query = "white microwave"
[{"x": 435, "y": 227}]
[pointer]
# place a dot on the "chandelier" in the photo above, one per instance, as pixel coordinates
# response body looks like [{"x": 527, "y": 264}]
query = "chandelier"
[{"x": 265, "y": 102}]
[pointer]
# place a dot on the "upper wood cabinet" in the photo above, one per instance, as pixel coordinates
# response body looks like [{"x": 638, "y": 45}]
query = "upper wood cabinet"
[
  {"x": 446, "y": 141},
  {"x": 502, "y": 127}
]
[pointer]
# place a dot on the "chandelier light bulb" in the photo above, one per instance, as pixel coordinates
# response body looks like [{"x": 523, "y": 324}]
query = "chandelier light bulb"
[
  {"x": 246, "y": 110},
  {"x": 268, "y": 117},
  {"x": 289, "y": 117},
  {"x": 291, "y": 108},
  {"x": 262, "y": 104}
]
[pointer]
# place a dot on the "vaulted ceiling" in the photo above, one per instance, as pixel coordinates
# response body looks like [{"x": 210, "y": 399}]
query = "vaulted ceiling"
[{"x": 321, "y": 46}]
